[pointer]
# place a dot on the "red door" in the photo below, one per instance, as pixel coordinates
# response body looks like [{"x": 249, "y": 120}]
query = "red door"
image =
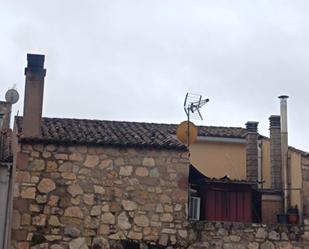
[{"x": 226, "y": 202}]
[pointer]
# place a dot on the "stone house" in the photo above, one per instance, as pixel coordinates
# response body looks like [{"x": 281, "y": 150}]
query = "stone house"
[
  {"x": 98, "y": 184},
  {"x": 6, "y": 162}
]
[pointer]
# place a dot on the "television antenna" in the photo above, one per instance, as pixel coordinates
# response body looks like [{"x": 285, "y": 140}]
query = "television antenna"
[
  {"x": 187, "y": 131},
  {"x": 192, "y": 105}
]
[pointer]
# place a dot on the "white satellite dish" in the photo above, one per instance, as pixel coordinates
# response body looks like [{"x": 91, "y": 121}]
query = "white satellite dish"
[{"x": 12, "y": 96}]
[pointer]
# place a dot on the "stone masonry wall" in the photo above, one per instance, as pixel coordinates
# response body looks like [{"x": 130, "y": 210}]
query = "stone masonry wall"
[
  {"x": 218, "y": 235},
  {"x": 94, "y": 197},
  {"x": 305, "y": 174}
]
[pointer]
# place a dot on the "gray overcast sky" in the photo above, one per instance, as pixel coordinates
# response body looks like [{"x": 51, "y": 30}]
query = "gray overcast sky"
[{"x": 135, "y": 60}]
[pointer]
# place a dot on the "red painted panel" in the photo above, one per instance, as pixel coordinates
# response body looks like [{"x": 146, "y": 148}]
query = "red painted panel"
[
  {"x": 233, "y": 206},
  {"x": 227, "y": 203},
  {"x": 248, "y": 205}
]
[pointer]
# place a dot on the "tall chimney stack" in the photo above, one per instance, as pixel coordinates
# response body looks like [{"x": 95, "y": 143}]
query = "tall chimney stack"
[
  {"x": 275, "y": 152},
  {"x": 33, "y": 102},
  {"x": 284, "y": 147},
  {"x": 252, "y": 151}
]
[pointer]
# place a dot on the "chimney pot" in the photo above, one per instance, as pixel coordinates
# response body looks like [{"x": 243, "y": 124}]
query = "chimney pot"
[
  {"x": 274, "y": 121},
  {"x": 283, "y": 97},
  {"x": 35, "y": 64},
  {"x": 252, "y": 126}
]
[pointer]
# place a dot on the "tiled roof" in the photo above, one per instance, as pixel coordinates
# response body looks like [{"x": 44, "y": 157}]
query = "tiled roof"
[
  {"x": 120, "y": 133},
  {"x": 197, "y": 177}
]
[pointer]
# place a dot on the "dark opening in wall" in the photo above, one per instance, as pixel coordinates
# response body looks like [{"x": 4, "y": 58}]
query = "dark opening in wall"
[{"x": 127, "y": 244}]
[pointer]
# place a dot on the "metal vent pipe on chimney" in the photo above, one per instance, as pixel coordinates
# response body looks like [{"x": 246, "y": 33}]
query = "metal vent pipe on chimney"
[
  {"x": 284, "y": 147},
  {"x": 33, "y": 102}
]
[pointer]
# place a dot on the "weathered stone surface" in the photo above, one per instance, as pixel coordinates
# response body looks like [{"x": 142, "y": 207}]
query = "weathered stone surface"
[
  {"x": 154, "y": 173},
  {"x": 117, "y": 236},
  {"x": 234, "y": 238},
  {"x": 123, "y": 221},
  {"x": 99, "y": 189},
  {"x": 68, "y": 176},
  {"x": 56, "y": 247},
  {"x": 65, "y": 167},
  {"x": 168, "y": 231},
  {"x": 274, "y": 235},
  {"x": 61, "y": 156},
  {"x": 95, "y": 210},
  {"x": 267, "y": 245},
  {"x": 106, "y": 163},
  {"x": 126, "y": 171},
  {"x": 253, "y": 245},
  {"x": 163, "y": 239},
  {"x": 39, "y": 220},
  {"x": 79, "y": 243},
  {"x": 183, "y": 233},
  {"x": 134, "y": 235},
  {"x": 73, "y": 212},
  {"x": 128, "y": 205},
  {"x": 100, "y": 242},
  {"x": 37, "y": 165},
  {"x": 28, "y": 193},
  {"x": 22, "y": 176},
  {"x": 166, "y": 217},
  {"x": 261, "y": 233},
  {"x": 75, "y": 190},
  {"x": 91, "y": 161},
  {"x": 165, "y": 199},
  {"x": 34, "y": 208},
  {"x": 46, "y": 185},
  {"x": 108, "y": 218},
  {"x": 284, "y": 236},
  {"x": 148, "y": 161},
  {"x": 41, "y": 199},
  {"x": 71, "y": 231},
  {"x": 51, "y": 166},
  {"x": 25, "y": 219},
  {"x": 52, "y": 237},
  {"x": 88, "y": 199},
  {"x": 141, "y": 220},
  {"x": 119, "y": 162},
  {"x": 53, "y": 200},
  {"x": 54, "y": 221},
  {"x": 228, "y": 246},
  {"x": 285, "y": 245},
  {"x": 16, "y": 219},
  {"x": 239, "y": 246},
  {"x": 141, "y": 171},
  {"x": 104, "y": 229},
  {"x": 78, "y": 157}
]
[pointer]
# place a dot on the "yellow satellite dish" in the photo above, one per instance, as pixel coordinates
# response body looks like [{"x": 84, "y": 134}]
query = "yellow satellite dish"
[{"x": 186, "y": 132}]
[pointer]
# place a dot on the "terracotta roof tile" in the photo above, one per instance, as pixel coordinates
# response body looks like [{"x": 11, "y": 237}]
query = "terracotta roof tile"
[{"x": 120, "y": 133}]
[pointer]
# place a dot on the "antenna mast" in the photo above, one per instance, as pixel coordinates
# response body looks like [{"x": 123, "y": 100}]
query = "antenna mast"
[{"x": 192, "y": 105}]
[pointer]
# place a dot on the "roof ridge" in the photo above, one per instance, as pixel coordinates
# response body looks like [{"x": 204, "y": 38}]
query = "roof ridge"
[{"x": 135, "y": 122}]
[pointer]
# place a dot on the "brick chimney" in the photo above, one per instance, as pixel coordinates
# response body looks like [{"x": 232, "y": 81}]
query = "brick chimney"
[
  {"x": 275, "y": 152},
  {"x": 33, "y": 102},
  {"x": 252, "y": 151}
]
